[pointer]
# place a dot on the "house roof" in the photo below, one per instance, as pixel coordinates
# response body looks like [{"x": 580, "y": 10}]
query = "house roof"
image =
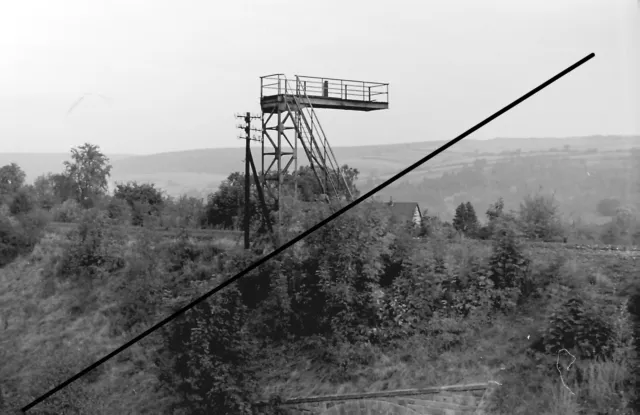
[{"x": 403, "y": 210}]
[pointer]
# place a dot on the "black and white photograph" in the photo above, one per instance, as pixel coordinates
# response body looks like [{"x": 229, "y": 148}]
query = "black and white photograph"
[{"x": 357, "y": 207}]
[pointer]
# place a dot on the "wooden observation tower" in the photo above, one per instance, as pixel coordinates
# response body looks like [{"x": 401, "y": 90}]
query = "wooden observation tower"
[{"x": 289, "y": 118}]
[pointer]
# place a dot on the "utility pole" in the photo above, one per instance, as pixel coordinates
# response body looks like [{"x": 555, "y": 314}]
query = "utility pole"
[
  {"x": 247, "y": 175},
  {"x": 247, "y": 180}
]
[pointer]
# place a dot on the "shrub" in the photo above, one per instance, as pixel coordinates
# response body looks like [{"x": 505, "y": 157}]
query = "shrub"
[
  {"x": 580, "y": 325},
  {"x": 32, "y": 225},
  {"x": 11, "y": 242},
  {"x": 92, "y": 250},
  {"x": 22, "y": 203},
  {"x": 119, "y": 211},
  {"x": 19, "y": 235},
  {"x": 209, "y": 357},
  {"x": 539, "y": 218},
  {"x": 181, "y": 252},
  {"x": 70, "y": 211},
  {"x": 508, "y": 266},
  {"x": 341, "y": 273}
]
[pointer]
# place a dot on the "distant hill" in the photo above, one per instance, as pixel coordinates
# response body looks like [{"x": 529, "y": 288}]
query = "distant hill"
[{"x": 199, "y": 172}]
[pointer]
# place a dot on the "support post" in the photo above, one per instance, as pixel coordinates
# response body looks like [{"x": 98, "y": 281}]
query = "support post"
[
  {"x": 263, "y": 204},
  {"x": 247, "y": 182},
  {"x": 280, "y": 173}
]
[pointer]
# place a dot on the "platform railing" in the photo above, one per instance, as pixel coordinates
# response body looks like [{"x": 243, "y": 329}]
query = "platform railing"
[{"x": 277, "y": 84}]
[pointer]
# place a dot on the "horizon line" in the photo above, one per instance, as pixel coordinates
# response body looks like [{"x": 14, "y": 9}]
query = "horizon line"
[{"x": 339, "y": 146}]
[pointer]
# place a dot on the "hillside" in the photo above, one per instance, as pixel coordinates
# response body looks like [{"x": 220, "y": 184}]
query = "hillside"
[
  {"x": 601, "y": 166},
  {"x": 53, "y": 327}
]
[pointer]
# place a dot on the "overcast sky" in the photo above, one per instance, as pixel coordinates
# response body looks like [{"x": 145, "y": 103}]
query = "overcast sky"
[{"x": 177, "y": 71}]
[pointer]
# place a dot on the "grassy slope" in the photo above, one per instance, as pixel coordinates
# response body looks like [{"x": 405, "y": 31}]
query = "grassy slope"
[
  {"x": 42, "y": 333},
  {"x": 39, "y": 328}
]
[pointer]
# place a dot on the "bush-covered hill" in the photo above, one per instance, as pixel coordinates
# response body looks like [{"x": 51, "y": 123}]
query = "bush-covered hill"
[
  {"x": 60, "y": 313},
  {"x": 368, "y": 302}
]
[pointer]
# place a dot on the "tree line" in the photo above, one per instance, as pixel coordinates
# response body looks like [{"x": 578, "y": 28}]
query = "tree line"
[{"x": 84, "y": 184}]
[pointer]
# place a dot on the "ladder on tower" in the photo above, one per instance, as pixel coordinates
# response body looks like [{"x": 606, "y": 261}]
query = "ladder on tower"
[{"x": 315, "y": 143}]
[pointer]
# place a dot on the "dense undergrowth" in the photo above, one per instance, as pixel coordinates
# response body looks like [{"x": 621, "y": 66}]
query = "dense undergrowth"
[{"x": 358, "y": 306}]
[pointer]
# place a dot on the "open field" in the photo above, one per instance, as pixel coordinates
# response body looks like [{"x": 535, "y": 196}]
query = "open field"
[{"x": 199, "y": 234}]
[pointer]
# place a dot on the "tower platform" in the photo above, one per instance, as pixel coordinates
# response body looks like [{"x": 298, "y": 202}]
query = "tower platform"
[{"x": 329, "y": 93}]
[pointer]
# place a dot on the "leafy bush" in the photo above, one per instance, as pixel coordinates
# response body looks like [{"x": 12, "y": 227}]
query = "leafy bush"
[
  {"x": 12, "y": 243},
  {"x": 181, "y": 252},
  {"x": 341, "y": 273},
  {"x": 22, "y": 202},
  {"x": 12, "y": 178},
  {"x": 539, "y": 219},
  {"x": 119, "y": 211},
  {"x": 414, "y": 296},
  {"x": 184, "y": 211},
  {"x": 209, "y": 357},
  {"x": 580, "y": 325},
  {"x": 144, "y": 199},
  {"x": 19, "y": 235},
  {"x": 92, "y": 250},
  {"x": 70, "y": 211},
  {"x": 508, "y": 267},
  {"x": 32, "y": 225},
  {"x": 139, "y": 288}
]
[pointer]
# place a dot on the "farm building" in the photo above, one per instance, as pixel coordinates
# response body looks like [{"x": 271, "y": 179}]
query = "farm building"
[{"x": 406, "y": 211}]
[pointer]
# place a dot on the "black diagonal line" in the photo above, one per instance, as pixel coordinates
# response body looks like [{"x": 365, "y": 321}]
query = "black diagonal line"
[{"x": 309, "y": 231}]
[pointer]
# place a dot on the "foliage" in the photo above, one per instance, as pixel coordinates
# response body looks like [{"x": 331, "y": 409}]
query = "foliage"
[
  {"x": 339, "y": 272},
  {"x": 584, "y": 327},
  {"x": 68, "y": 212},
  {"x": 353, "y": 289},
  {"x": 414, "y": 296},
  {"x": 209, "y": 357},
  {"x": 119, "y": 211},
  {"x": 225, "y": 207},
  {"x": 92, "y": 252},
  {"x": 139, "y": 292},
  {"x": 465, "y": 219},
  {"x": 43, "y": 191},
  {"x": 184, "y": 211},
  {"x": 181, "y": 252},
  {"x": 539, "y": 218},
  {"x": 493, "y": 213},
  {"x": 64, "y": 187},
  {"x": 309, "y": 187},
  {"x": 89, "y": 171},
  {"x": 508, "y": 266},
  {"x": 22, "y": 202},
  {"x": 496, "y": 210},
  {"x": 19, "y": 235},
  {"x": 12, "y": 178},
  {"x": 429, "y": 224},
  {"x": 143, "y": 199},
  {"x": 56, "y": 367}
]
